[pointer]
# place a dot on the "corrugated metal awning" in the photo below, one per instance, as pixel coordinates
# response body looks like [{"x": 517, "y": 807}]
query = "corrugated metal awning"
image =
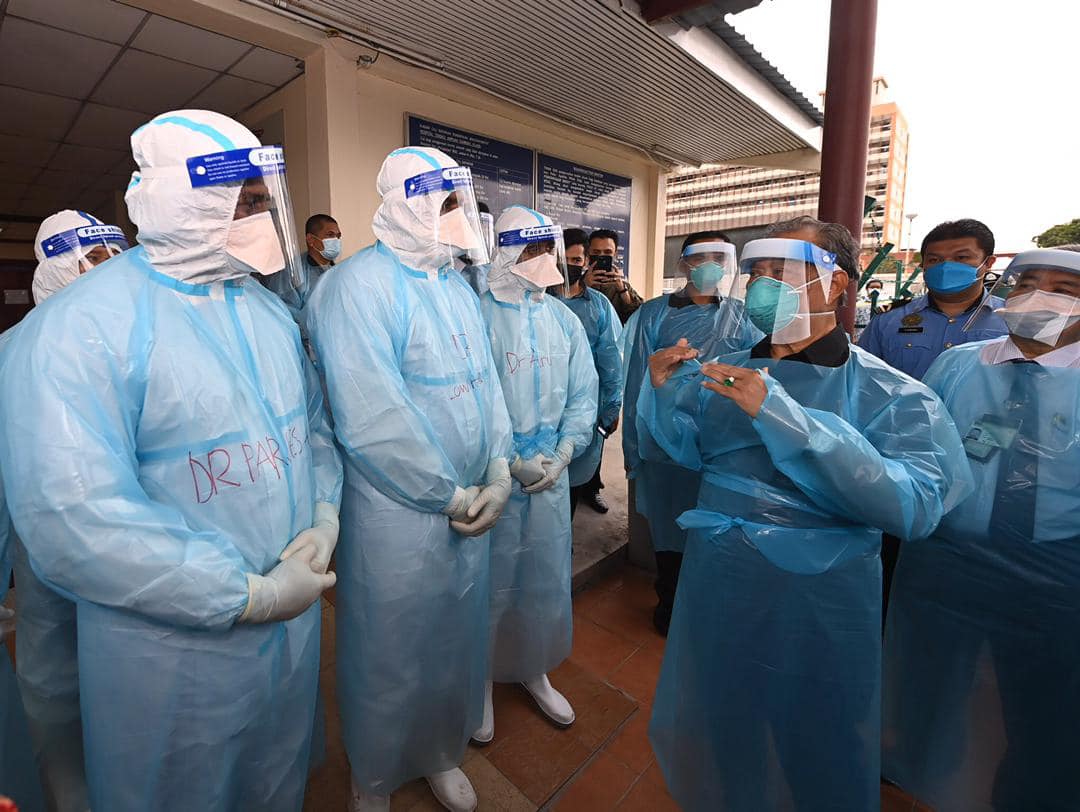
[{"x": 591, "y": 63}]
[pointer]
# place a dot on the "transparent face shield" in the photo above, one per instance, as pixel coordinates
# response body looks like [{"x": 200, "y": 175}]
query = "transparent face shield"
[
  {"x": 1041, "y": 290},
  {"x": 710, "y": 267},
  {"x": 464, "y": 259},
  {"x": 487, "y": 231},
  {"x": 537, "y": 257},
  {"x": 787, "y": 284},
  {"x": 261, "y": 238},
  {"x": 88, "y": 245},
  {"x": 446, "y": 199}
]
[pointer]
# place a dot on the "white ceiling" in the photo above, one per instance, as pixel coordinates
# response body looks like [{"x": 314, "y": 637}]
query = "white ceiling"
[{"x": 78, "y": 76}]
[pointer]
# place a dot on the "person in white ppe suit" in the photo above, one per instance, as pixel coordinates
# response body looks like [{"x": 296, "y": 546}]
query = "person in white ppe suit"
[
  {"x": 68, "y": 244},
  {"x": 168, "y": 465},
  {"x": 423, "y": 429},
  {"x": 550, "y": 384}
]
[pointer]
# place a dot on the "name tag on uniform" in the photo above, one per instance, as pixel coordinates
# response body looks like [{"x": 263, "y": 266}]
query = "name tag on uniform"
[
  {"x": 989, "y": 433},
  {"x": 911, "y": 323}
]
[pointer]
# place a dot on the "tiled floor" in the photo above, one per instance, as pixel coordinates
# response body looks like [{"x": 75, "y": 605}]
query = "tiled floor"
[{"x": 603, "y": 762}]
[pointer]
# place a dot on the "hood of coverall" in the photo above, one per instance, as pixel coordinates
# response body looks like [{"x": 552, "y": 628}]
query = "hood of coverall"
[
  {"x": 408, "y": 226},
  {"x": 184, "y": 230},
  {"x": 55, "y": 273},
  {"x": 505, "y": 283}
]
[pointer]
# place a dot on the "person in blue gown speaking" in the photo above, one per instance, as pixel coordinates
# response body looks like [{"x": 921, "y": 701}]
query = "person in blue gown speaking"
[{"x": 769, "y": 694}]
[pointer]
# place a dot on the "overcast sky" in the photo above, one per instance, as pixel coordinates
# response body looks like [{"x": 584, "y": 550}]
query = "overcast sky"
[{"x": 991, "y": 92}]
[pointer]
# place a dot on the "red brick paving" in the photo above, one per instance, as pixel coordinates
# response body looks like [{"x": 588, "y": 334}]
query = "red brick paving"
[{"x": 603, "y": 762}]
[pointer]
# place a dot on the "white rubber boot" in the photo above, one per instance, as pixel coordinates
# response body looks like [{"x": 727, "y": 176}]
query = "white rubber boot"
[
  {"x": 453, "y": 790},
  {"x": 553, "y": 704},
  {"x": 486, "y": 732},
  {"x": 360, "y": 801}
]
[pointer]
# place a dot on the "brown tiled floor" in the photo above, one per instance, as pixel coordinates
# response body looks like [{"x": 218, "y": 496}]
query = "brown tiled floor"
[{"x": 603, "y": 762}]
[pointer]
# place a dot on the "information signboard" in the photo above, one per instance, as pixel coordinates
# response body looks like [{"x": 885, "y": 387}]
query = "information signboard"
[
  {"x": 502, "y": 172},
  {"x": 580, "y": 196}
]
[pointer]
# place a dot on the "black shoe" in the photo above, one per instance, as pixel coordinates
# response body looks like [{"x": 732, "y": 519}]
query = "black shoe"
[
  {"x": 661, "y": 618},
  {"x": 595, "y": 501}
]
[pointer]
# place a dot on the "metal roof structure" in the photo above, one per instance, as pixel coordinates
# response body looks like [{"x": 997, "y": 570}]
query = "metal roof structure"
[
  {"x": 595, "y": 64},
  {"x": 754, "y": 58}
]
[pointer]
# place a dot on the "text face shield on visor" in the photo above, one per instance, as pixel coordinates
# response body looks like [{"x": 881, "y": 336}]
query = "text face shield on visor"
[
  {"x": 536, "y": 256},
  {"x": 260, "y": 238},
  {"x": 1041, "y": 290},
  {"x": 785, "y": 281},
  {"x": 445, "y": 199},
  {"x": 710, "y": 267},
  {"x": 90, "y": 245}
]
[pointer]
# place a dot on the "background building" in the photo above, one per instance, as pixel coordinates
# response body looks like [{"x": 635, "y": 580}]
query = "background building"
[{"x": 741, "y": 200}]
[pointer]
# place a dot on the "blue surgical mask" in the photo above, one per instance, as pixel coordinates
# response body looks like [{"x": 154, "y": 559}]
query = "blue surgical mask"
[
  {"x": 331, "y": 248},
  {"x": 951, "y": 277},
  {"x": 707, "y": 276},
  {"x": 771, "y": 304}
]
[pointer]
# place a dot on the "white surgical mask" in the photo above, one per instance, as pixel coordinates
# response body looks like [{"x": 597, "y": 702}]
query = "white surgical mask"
[
  {"x": 540, "y": 272},
  {"x": 454, "y": 229},
  {"x": 1040, "y": 316},
  {"x": 253, "y": 245},
  {"x": 331, "y": 248}
]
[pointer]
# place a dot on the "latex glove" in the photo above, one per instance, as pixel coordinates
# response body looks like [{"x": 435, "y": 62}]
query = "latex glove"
[
  {"x": 7, "y": 622},
  {"x": 528, "y": 471},
  {"x": 487, "y": 507},
  {"x": 287, "y": 590},
  {"x": 553, "y": 468},
  {"x": 322, "y": 535},
  {"x": 458, "y": 506}
]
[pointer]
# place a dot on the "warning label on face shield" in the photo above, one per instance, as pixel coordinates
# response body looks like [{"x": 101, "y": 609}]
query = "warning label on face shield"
[
  {"x": 234, "y": 165},
  {"x": 526, "y": 235},
  {"x": 444, "y": 180}
]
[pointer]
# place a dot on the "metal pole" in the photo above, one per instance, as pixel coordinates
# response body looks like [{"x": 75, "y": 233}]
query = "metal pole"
[
  {"x": 910, "y": 229},
  {"x": 848, "y": 85}
]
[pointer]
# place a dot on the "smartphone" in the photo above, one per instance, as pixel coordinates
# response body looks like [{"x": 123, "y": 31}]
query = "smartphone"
[
  {"x": 602, "y": 432},
  {"x": 602, "y": 263}
]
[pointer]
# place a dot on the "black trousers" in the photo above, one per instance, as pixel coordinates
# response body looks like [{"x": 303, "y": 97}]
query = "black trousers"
[
  {"x": 592, "y": 486},
  {"x": 890, "y": 553},
  {"x": 668, "y": 564}
]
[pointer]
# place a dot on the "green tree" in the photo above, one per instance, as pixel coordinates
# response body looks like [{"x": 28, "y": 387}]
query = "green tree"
[{"x": 1061, "y": 234}]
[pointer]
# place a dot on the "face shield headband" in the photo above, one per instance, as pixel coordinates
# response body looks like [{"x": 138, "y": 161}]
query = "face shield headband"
[{"x": 84, "y": 239}]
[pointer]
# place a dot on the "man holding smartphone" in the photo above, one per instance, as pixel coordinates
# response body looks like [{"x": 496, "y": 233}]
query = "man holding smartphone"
[
  {"x": 603, "y": 329},
  {"x": 606, "y": 277}
]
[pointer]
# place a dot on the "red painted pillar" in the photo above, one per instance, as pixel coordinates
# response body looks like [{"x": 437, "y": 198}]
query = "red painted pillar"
[{"x": 848, "y": 85}]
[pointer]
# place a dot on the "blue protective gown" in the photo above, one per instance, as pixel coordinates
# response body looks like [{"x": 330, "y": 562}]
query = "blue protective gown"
[
  {"x": 982, "y": 654},
  {"x": 664, "y": 490},
  {"x": 417, "y": 411},
  {"x": 296, "y": 298},
  {"x": 48, "y": 673},
  {"x": 549, "y": 382},
  {"x": 476, "y": 276},
  {"x": 19, "y": 778},
  {"x": 769, "y": 691},
  {"x": 164, "y": 440},
  {"x": 603, "y": 328}
]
